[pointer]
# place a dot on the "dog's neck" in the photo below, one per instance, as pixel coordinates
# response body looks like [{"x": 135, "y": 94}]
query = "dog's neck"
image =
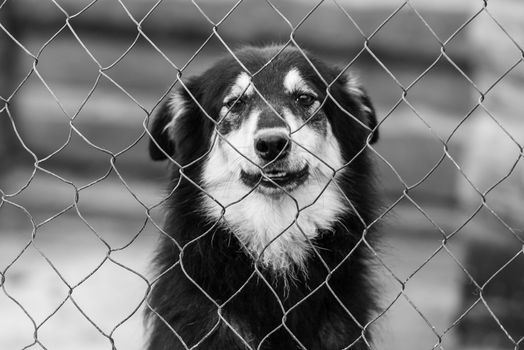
[{"x": 278, "y": 233}]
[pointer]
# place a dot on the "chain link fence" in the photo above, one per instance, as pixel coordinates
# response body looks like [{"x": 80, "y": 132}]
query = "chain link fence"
[{"x": 80, "y": 205}]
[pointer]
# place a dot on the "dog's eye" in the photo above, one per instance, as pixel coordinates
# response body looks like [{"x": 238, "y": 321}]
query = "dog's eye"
[
  {"x": 235, "y": 103},
  {"x": 305, "y": 100}
]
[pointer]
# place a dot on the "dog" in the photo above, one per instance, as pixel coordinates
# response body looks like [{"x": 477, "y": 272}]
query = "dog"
[{"x": 268, "y": 232}]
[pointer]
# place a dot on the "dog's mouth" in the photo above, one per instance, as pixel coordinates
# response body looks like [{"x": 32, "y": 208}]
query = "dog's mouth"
[{"x": 276, "y": 179}]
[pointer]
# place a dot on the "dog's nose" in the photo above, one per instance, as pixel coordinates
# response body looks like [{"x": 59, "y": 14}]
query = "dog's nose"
[{"x": 271, "y": 147}]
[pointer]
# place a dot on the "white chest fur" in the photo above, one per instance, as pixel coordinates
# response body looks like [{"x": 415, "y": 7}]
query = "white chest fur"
[{"x": 277, "y": 231}]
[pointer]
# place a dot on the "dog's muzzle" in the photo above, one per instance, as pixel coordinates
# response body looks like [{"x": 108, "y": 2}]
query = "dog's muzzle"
[{"x": 276, "y": 173}]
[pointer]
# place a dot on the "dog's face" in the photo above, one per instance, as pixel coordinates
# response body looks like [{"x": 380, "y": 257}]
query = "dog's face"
[
  {"x": 270, "y": 141},
  {"x": 274, "y": 137}
]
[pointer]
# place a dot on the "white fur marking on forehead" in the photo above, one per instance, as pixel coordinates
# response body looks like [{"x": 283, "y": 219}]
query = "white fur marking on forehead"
[
  {"x": 177, "y": 107},
  {"x": 241, "y": 86},
  {"x": 275, "y": 130},
  {"x": 293, "y": 82}
]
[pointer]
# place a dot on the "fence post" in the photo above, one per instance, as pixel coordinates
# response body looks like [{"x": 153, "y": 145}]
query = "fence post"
[{"x": 8, "y": 53}]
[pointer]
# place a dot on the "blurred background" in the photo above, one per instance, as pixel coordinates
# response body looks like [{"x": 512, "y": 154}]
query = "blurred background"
[{"x": 79, "y": 198}]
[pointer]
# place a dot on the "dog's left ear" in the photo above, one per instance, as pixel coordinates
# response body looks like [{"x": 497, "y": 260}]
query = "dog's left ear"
[
  {"x": 162, "y": 127},
  {"x": 163, "y": 145},
  {"x": 359, "y": 94}
]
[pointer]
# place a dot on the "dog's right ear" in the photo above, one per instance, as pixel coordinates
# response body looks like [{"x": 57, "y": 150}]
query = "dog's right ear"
[{"x": 163, "y": 126}]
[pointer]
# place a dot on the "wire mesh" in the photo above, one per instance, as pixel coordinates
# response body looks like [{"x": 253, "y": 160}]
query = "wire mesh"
[{"x": 110, "y": 256}]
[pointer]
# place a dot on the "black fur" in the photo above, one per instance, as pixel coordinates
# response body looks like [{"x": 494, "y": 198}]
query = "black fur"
[{"x": 208, "y": 285}]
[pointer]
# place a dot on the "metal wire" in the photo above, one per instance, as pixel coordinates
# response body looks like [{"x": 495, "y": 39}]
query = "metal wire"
[{"x": 10, "y": 199}]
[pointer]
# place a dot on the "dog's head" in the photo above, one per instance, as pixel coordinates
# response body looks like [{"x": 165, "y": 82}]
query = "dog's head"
[
  {"x": 278, "y": 127},
  {"x": 274, "y": 127}
]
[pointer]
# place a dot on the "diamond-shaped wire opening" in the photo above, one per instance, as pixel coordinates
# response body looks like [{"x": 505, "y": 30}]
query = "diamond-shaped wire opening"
[{"x": 40, "y": 306}]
